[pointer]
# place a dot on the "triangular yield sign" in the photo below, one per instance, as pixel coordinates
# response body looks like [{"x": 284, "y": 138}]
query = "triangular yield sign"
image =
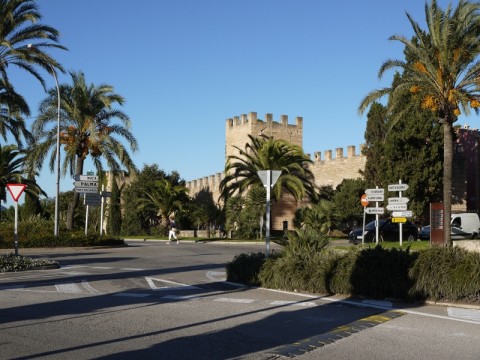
[{"x": 16, "y": 190}]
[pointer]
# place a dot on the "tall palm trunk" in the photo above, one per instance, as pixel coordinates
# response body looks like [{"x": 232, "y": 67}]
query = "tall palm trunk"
[
  {"x": 447, "y": 178},
  {"x": 76, "y": 196}
]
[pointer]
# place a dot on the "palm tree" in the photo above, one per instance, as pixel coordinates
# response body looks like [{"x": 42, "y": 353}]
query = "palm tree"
[
  {"x": 86, "y": 128},
  {"x": 268, "y": 154},
  {"x": 20, "y": 30},
  {"x": 165, "y": 197},
  {"x": 321, "y": 216},
  {"x": 445, "y": 75},
  {"x": 12, "y": 108},
  {"x": 12, "y": 162}
]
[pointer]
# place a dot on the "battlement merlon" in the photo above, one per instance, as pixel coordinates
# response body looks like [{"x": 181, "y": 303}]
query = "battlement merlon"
[
  {"x": 351, "y": 153},
  {"x": 252, "y": 120}
]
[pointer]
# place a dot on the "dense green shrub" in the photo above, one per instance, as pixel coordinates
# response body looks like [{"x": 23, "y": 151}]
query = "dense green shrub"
[
  {"x": 382, "y": 273},
  {"x": 341, "y": 272},
  {"x": 40, "y": 234},
  {"x": 447, "y": 274},
  {"x": 244, "y": 268},
  {"x": 299, "y": 266}
]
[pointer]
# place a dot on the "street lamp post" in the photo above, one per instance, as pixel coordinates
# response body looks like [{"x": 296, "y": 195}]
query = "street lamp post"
[
  {"x": 57, "y": 189},
  {"x": 57, "y": 173}
]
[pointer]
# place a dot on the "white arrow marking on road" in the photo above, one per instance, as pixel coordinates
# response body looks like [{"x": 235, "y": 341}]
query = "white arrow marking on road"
[
  {"x": 173, "y": 285},
  {"x": 212, "y": 275}
]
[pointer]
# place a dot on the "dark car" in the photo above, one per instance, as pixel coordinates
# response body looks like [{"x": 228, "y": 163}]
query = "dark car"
[
  {"x": 424, "y": 233},
  {"x": 387, "y": 231}
]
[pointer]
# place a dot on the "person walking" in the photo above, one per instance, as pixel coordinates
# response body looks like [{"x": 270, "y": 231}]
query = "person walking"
[{"x": 172, "y": 231}]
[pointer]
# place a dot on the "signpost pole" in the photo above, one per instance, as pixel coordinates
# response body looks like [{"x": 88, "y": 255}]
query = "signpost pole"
[
  {"x": 101, "y": 214},
  {"x": 267, "y": 229},
  {"x": 269, "y": 178},
  {"x": 363, "y": 228},
  {"x": 401, "y": 224},
  {"x": 86, "y": 221},
  {"x": 16, "y": 190},
  {"x": 16, "y": 228}
]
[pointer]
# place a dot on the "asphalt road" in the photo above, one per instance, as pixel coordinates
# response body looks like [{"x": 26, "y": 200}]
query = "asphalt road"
[{"x": 156, "y": 301}]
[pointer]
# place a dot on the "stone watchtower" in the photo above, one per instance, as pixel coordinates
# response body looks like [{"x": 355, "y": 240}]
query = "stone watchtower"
[{"x": 238, "y": 129}]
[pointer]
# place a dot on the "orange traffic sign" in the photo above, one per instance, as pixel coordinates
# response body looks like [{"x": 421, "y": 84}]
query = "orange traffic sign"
[{"x": 364, "y": 200}]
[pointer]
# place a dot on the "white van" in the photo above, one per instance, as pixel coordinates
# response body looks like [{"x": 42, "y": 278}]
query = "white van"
[{"x": 465, "y": 226}]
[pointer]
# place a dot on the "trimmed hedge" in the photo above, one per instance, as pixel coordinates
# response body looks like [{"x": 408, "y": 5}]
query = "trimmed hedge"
[
  {"x": 439, "y": 274},
  {"x": 40, "y": 234}
]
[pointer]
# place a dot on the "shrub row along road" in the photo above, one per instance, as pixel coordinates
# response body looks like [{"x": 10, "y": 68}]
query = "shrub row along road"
[{"x": 156, "y": 301}]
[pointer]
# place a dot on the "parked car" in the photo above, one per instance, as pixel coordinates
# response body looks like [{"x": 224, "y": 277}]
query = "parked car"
[
  {"x": 387, "y": 231},
  {"x": 424, "y": 233}
]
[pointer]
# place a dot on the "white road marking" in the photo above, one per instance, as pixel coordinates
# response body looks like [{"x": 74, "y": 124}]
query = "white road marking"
[
  {"x": 173, "y": 285},
  {"x": 233, "y": 300},
  {"x": 88, "y": 287},
  {"x": 177, "y": 297},
  {"x": 70, "y": 288},
  {"x": 213, "y": 275},
  {"x": 294, "y": 303},
  {"x": 469, "y": 314}
]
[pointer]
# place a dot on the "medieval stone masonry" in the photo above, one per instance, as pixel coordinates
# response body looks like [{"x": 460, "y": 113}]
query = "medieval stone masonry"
[{"x": 328, "y": 171}]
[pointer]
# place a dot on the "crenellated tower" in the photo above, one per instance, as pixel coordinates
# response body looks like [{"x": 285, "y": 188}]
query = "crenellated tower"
[{"x": 239, "y": 127}]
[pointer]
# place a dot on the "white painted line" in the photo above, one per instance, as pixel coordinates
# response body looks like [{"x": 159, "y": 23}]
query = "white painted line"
[
  {"x": 294, "y": 303},
  {"x": 87, "y": 286},
  {"x": 102, "y": 267},
  {"x": 469, "y": 314},
  {"x": 132, "y": 269},
  {"x": 233, "y": 300},
  {"x": 126, "y": 294},
  {"x": 175, "y": 285},
  {"x": 177, "y": 297},
  {"x": 72, "y": 266},
  {"x": 68, "y": 288}
]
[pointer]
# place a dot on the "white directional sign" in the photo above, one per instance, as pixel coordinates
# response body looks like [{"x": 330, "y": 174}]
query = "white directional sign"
[
  {"x": 86, "y": 177},
  {"x": 397, "y": 187},
  {"x": 399, "y": 207},
  {"x": 375, "y": 197},
  {"x": 374, "y": 210},
  {"x": 82, "y": 183},
  {"x": 398, "y": 200},
  {"x": 406, "y": 214},
  {"x": 375, "y": 191},
  {"x": 86, "y": 189}
]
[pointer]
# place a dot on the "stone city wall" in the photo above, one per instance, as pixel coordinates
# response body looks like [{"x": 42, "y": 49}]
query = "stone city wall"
[{"x": 329, "y": 171}]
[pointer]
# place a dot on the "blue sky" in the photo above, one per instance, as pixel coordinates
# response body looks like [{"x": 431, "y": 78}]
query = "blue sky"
[{"x": 185, "y": 66}]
